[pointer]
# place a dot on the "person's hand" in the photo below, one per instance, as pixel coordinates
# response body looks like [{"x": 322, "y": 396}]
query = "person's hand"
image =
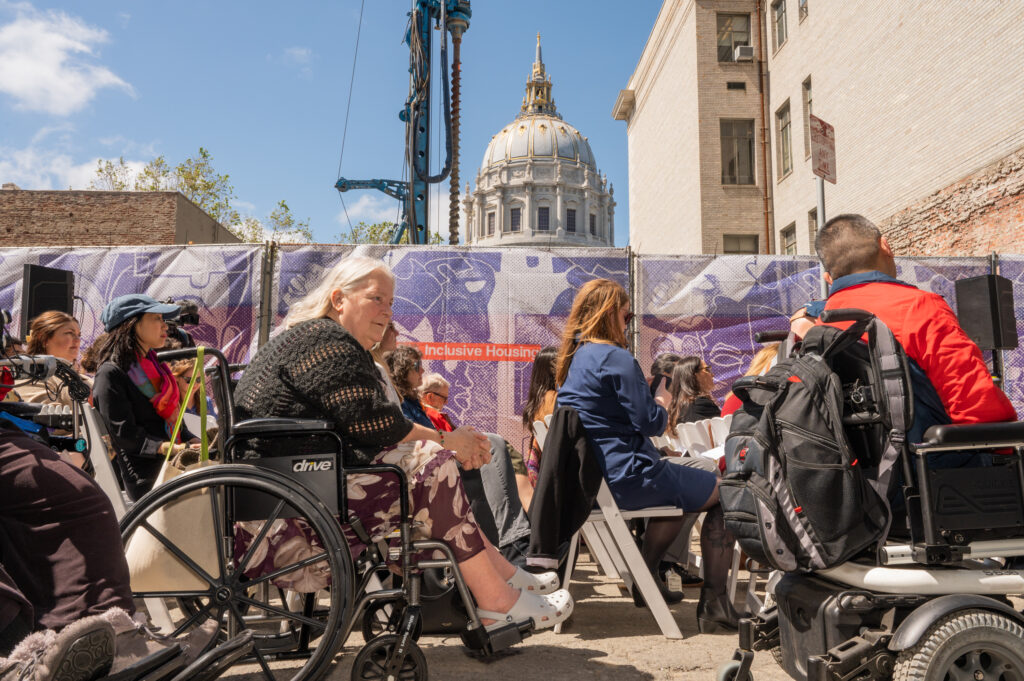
[
  {"x": 195, "y": 443},
  {"x": 472, "y": 448}
]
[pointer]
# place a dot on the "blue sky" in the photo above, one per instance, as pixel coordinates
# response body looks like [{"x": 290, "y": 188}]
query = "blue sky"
[{"x": 263, "y": 86}]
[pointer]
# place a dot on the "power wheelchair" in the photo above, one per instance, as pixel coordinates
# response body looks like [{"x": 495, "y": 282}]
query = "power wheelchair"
[
  {"x": 933, "y": 602},
  {"x": 307, "y": 485}
]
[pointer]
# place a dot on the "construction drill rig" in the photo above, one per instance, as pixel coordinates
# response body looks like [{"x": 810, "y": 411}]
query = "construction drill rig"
[{"x": 451, "y": 16}]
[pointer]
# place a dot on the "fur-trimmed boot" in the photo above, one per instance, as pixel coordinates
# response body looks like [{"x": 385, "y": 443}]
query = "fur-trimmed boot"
[{"x": 81, "y": 651}]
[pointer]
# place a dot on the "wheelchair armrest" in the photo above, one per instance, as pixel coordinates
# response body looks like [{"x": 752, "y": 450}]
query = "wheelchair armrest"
[
  {"x": 252, "y": 427},
  {"x": 1008, "y": 434}
]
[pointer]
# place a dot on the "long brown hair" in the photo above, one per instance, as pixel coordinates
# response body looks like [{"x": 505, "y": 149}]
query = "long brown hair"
[
  {"x": 593, "y": 318},
  {"x": 122, "y": 346},
  {"x": 43, "y": 327},
  {"x": 685, "y": 388},
  {"x": 542, "y": 379},
  {"x": 400, "y": 363}
]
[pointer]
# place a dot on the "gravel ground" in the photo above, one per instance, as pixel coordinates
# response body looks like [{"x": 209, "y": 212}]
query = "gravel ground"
[{"x": 607, "y": 638}]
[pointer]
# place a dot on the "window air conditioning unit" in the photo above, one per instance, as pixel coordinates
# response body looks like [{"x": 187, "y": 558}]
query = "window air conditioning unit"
[{"x": 743, "y": 53}]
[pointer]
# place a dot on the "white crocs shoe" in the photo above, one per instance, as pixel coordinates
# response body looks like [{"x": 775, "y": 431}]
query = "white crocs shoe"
[
  {"x": 540, "y": 583},
  {"x": 545, "y": 611}
]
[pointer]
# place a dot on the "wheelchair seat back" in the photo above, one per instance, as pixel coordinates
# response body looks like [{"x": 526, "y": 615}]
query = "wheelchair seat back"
[{"x": 316, "y": 472}]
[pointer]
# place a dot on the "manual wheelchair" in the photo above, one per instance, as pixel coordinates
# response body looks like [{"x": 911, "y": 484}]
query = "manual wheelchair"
[
  {"x": 932, "y": 603},
  {"x": 306, "y": 487}
]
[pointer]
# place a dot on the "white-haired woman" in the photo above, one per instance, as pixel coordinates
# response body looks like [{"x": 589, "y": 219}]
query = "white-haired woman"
[{"x": 320, "y": 367}]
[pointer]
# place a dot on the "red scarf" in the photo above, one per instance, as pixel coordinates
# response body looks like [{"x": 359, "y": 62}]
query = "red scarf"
[{"x": 157, "y": 383}]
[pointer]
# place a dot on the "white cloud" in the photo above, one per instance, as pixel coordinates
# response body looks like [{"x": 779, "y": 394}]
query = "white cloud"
[
  {"x": 46, "y": 164},
  {"x": 298, "y": 55},
  {"x": 47, "y": 61},
  {"x": 369, "y": 208}
]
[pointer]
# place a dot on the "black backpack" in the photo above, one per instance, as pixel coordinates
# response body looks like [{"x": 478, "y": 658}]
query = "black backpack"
[{"x": 809, "y": 456}]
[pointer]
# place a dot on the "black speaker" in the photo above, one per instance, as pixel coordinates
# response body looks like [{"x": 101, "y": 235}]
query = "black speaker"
[
  {"x": 985, "y": 308},
  {"x": 45, "y": 288}
]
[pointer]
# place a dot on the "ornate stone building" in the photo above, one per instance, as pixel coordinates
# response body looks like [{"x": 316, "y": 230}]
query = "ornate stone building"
[{"x": 538, "y": 184}]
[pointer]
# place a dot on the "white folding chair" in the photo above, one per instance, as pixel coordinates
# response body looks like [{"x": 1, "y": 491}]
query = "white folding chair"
[
  {"x": 720, "y": 429},
  {"x": 695, "y": 436}
]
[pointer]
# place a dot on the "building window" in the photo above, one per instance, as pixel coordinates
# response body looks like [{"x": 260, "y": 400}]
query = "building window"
[
  {"x": 812, "y": 226},
  {"x": 517, "y": 219},
  {"x": 490, "y": 224},
  {"x": 787, "y": 242},
  {"x": 803, "y": 9},
  {"x": 737, "y": 152},
  {"x": 733, "y": 30},
  {"x": 593, "y": 224},
  {"x": 739, "y": 244},
  {"x": 808, "y": 110},
  {"x": 543, "y": 218},
  {"x": 783, "y": 132},
  {"x": 779, "y": 21},
  {"x": 570, "y": 220}
]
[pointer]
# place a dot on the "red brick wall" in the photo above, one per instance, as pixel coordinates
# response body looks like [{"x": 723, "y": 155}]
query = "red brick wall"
[
  {"x": 981, "y": 213},
  {"x": 91, "y": 218}
]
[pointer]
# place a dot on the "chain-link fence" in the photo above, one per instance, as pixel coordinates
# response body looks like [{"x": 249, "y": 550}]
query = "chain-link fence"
[{"x": 479, "y": 314}]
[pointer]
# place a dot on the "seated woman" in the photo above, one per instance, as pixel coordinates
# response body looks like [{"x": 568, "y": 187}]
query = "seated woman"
[
  {"x": 540, "y": 402},
  {"x": 405, "y": 364},
  {"x": 135, "y": 393},
  {"x": 692, "y": 383},
  {"x": 51, "y": 333},
  {"x": 320, "y": 367},
  {"x": 602, "y": 381}
]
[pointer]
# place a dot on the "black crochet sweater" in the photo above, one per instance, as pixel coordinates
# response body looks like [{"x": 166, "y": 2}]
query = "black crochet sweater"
[{"x": 317, "y": 370}]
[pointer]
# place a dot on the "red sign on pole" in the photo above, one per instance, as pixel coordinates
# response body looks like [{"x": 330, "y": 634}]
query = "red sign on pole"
[{"x": 823, "y": 149}]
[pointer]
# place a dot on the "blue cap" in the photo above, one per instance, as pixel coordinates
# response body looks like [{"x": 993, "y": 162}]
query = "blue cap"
[
  {"x": 814, "y": 308},
  {"x": 121, "y": 309}
]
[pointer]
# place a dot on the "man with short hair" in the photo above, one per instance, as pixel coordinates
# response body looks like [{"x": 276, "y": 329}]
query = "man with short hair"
[{"x": 950, "y": 380}]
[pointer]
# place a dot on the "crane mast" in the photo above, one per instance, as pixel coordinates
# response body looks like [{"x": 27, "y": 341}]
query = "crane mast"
[{"x": 452, "y": 16}]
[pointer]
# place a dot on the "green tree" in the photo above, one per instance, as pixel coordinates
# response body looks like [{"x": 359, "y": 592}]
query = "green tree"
[
  {"x": 112, "y": 176},
  {"x": 196, "y": 178},
  {"x": 377, "y": 233}
]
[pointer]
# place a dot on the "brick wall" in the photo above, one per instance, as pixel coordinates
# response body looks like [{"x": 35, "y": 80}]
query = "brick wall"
[
  {"x": 981, "y": 213},
  {"x": 96, "y": 218}
]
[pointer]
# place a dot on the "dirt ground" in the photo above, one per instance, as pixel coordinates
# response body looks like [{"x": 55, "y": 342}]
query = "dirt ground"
[{"x": 607, "y": 638}]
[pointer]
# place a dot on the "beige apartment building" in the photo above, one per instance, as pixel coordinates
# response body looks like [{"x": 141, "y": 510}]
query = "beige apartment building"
[
  {"x": 696, "y": 143},
  {"x": 927, "y": 101}
]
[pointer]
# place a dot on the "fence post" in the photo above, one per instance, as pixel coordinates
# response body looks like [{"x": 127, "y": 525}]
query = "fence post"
[
  {"x": 997, "y": 353},
  {"x": 634, "y": 287},
  {"x": 266, "y": 303}
]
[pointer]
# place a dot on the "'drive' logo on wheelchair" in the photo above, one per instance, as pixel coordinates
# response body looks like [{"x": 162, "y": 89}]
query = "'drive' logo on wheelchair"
[{"x": 312, "y": 465}]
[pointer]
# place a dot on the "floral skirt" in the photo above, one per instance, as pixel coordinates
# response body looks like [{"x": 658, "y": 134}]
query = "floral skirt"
[{"x": 437, "y": 501}]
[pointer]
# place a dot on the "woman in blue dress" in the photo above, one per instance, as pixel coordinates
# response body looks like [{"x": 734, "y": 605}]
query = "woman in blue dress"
[{"x": 602, "y": 381}]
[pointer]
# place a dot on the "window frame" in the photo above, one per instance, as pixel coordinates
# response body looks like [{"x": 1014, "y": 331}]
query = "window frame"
[
  {"x": 787, "y": 240},
  {"x": 755, "y": 237},
  {"x": 515, "y": 219},
  {"x": 732, "y": 33},
  {"x": 490, "y": 223},
  {"x": 543, "y": 218},
  {"x": 784, "y": 136},
  {"x": 570, "y": 220},
  {"x": 735, "y": 141},
  {"x": 802, "y": 9},
  {"x": 807, "y": 94},
  {"x": 593, "y": 224},
  {"x": 779, "y": 21}
]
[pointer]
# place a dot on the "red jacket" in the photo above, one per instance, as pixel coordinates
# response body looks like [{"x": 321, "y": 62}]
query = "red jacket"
[
  {"x": 439, "y": 419},
  {"x": 930, "y": 334}
]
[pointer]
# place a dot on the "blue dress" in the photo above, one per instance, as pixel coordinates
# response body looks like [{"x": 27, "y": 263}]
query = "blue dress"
[{"x": 607, "y": 388}]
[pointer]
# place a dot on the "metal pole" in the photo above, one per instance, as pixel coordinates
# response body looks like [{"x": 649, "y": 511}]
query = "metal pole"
[
  {"x": 822, "y": 286},
  {"x": 997, "y": 353}
]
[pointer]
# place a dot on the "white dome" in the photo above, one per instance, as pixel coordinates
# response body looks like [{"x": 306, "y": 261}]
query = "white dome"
[{"x": 538, "y": 137}]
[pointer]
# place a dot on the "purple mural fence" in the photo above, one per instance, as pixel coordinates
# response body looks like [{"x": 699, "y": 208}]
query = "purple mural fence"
[{"x": 479, "y": 314}]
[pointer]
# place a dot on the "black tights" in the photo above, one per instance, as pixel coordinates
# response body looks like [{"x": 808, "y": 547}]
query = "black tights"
[{"x": 715, "y": 546}]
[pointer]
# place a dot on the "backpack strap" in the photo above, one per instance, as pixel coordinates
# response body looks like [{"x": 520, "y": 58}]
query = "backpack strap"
[{"x": 895, "y": 382}]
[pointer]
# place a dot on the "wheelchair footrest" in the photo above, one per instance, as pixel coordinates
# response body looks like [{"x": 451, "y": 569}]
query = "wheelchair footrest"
[{"x": 489, "y": 642}]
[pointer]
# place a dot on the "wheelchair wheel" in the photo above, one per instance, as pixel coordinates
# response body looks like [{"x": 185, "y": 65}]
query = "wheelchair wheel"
[
  {"x": 203, "y": 564},
  {"x": 371, "y": 661},
  {"x": 966, "y": 646}
]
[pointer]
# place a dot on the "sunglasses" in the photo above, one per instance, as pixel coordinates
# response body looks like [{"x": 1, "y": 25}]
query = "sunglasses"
[
  {"x": 707, "y": 369},
  {"x": 443, "y": 397},
  {"x": 629, "y": 317},
  {"x": 418, "y": 366}
]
